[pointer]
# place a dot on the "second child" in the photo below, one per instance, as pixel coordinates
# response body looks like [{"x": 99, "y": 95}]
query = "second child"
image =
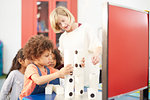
[
  {"x": 15, "y": 78},
  {"x": 56, "y": 62}
]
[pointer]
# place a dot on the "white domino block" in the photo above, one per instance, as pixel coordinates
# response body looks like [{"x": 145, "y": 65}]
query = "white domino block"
[
  {"x": 78, "y": 56},
  {"x": 58, "y": 89},
  {"x": 75, "y": 56},
  {"x": 69, "y": 86},
  {"x": 93, "y": 83},
  {"x": 69, "y": 79},
  {"x": 68, "y": 57},
  {"x": 91, "y": 93},
  {"x": 49, "y": 89},
  {"x": 79, "y": 85},
  {"x": 78, "y": 72}
]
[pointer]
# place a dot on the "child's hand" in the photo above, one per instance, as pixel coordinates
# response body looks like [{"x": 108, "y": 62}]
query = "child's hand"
[
  {"x": 83, "y": 62},
  {"x": 66, "y": 70}
]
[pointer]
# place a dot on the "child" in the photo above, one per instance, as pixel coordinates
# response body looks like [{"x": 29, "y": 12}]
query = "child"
[
  {"x": 56, "y": 62},
  {"x": 77, "y": 36},
  {"x": 15, "y": 77},
  {"x": 37, "y": 75}
]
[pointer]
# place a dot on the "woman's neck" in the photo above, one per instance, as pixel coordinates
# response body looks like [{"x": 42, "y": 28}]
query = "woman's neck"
[{"x": 73, "y": 27}]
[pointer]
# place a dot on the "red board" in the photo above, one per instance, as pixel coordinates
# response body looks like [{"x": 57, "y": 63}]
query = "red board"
[
  {"x": 128, "y": 47},
  {"x": 27, "y": 20}
]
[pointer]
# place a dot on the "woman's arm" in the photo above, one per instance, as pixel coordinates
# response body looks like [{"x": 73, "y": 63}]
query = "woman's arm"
[{"x": 96, "y": 57}]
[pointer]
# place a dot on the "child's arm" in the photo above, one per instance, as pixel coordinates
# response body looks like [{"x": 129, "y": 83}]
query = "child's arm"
[
  {"x": 7, "y": 86},
  {"x": 46, "y": 78}
]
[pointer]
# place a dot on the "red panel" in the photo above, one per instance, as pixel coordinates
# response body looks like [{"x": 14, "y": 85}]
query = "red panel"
[
  {"x": 27, "y": 20},
  {"x": 74, "y": 9},
  {"x": 127, "y": 50}
]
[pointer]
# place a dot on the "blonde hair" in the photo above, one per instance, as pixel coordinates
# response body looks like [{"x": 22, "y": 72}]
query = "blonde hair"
[{"x": 54, "y": 17}]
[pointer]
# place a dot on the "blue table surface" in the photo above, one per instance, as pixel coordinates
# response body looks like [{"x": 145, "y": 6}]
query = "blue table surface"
[
  {"x": 42, "y": 96},
  {"x": 53, "y": 96}
]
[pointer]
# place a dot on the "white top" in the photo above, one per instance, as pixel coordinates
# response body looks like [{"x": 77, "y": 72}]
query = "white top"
[
  {"x": 13, "y": 83},
  {"x": 83, "y": 38}
]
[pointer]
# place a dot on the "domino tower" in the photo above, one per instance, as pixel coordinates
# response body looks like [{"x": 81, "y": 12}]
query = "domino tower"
[{"x": 74, "y": 83}]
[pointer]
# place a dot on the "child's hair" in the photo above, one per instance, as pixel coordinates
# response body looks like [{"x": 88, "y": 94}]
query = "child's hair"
[
  {"x": 15, "y": 63},
  {"x": 36, "y": 45},
  {"x": 54, "y": 17},
  {"x": 58, "y": 58}
]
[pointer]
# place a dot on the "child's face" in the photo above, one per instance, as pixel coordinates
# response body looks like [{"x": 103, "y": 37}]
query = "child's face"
[
  {"x": 64, "y": 23},
  {"x": 45, "y": 58},
  {"x": 53, "y": 61}
]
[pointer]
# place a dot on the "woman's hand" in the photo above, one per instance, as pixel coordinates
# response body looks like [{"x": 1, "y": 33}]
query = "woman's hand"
[
  {"x": 95, "y": 60},
  {"x": 96, "y": 57},
  {"x": 66, "y": 70}
]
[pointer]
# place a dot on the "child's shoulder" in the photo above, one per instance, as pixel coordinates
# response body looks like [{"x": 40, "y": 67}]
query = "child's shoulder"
[
  {"x": 14, "y": 73},
  {"x": 31, "y": 66}
]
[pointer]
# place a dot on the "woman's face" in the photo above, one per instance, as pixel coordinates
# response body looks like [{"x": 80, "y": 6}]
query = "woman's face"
[
  {"x": 64, "y": 23},
  {"x": 53, "y": 61}
]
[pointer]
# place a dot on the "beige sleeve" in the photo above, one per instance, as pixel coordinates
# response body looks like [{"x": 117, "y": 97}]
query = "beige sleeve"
[{"x": 93, "y": 40}]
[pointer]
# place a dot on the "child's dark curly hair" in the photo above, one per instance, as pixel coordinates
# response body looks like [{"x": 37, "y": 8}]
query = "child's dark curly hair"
[{"x": 36, "y": 46}]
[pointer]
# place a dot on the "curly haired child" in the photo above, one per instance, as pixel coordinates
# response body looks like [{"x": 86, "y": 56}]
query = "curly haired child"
[{"x": 37, "y": 75}]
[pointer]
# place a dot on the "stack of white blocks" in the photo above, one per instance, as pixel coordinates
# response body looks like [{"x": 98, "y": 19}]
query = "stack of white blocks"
[
  {"x": 74, "y": 83},
  {"x": 69, "y": 79},
  {"x": 78, "y": 72},
  {"x": 93, "y": 86}
]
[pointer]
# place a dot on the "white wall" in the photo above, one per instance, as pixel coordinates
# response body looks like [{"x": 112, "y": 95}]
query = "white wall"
[
  {"x": 137, "y": 4},
  {"x": 10, "y": 30},
  {"x": 91, "y": 10}
]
